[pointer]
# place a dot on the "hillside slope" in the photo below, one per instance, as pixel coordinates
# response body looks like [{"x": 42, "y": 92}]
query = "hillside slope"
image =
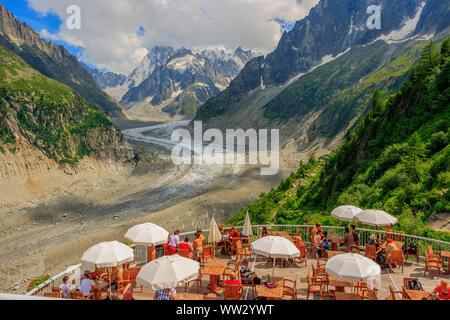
[
  {"x": 397, "y": 160},
  {"x": 48, "y": 131},
  {"x": 53, "y": 61}
]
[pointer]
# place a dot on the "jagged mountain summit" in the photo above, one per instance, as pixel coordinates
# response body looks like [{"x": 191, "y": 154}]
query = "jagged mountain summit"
[
  {"x": 53, "y": 61},
  {"x": 174, "y": 82},
  {"x": 318, "y": 80}
]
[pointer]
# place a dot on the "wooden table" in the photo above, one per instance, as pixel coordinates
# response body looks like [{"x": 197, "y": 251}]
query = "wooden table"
[
  {"x": 214, "y": 273},
  {"x": 274, "y": 293},
  {"x": 194, "y": 296},
  {"x": 417, "y": 295},
  {"x": 444, "y": 255},
  {"x": 347, "y": 296},
  {"x": 339, "y": 284},
  {"x": 331, "y": 254},
  {"x": 283, "y": 234},
  {"x": 217, "y": 263}
]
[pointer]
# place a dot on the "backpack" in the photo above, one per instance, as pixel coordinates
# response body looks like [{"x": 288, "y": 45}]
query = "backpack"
[
  {"x": 412, "y": 248},
  {"x": 415, "y": 285}
]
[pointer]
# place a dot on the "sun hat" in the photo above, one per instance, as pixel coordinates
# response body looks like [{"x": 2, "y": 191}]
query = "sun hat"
[{"x": 389, "y": 240}]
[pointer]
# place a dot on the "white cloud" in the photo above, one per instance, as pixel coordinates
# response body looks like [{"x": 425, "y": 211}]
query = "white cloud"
[{"x": 109, "y": 28}]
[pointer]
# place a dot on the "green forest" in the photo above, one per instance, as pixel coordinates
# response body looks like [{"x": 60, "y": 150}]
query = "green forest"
[{"x": 397, "y": 159}]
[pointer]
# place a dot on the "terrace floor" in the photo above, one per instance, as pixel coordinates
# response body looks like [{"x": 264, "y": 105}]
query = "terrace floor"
[{"x": 262, "y": 269}]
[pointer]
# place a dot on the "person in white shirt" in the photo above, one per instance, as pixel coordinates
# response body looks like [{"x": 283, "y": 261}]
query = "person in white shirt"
[
  {"x": 87, "y": 284},
  {"x": 65, "y": 288},
  {"x": 174, "y": 242}
]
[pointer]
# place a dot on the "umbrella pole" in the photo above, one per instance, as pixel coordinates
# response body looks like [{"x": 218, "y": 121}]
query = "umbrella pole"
[
  {"x": 109, "y": 275},
  {"x": 273, "y": 269}
]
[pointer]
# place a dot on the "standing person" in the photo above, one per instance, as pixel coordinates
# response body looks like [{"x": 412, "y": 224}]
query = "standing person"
[
  {"x": 348, "y": 240},
  {"x": 65, "y": 288},
  {"x": 87, "y": 284},
  {"x": 441, "y": 291},
  {"x": 325, "y": 241},
  {"x": 174, "y": 242},
  {"x": 234, "y": 234},
  {"x": 317, "y": 241},
  {"x": 202, "y": 237},
  {"x": 197, "y": 246}
]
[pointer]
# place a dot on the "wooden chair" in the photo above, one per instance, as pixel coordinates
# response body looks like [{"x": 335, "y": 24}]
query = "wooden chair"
[
  {"x": 127, "y": 288},
  {"x": 369, "y": 294},
  {"x": 232, "y": 292},
  {"x": 395, "y": 257},
  {"x": 407, "y": 280},
  {"x": 198, "y": 281},
  {"x": 76, "y": 295},
  {"x": 432, "y": 261},
  {"x": 206, "y": 254},
  {"x": 370, "y": 252},
  {"x": 184, "y": 253},
  {"x": 290, "y": 288},
  {"x": 392, "y": 294},
  {"x": 55, "y": 295},
  {"x": 302, "y": 258},
  {"x": 122, "y": 286},
  {"x": 242, "y": 252},
  {"x": 315, "y": 251},
  {"x": 315, "y": 286},
  {"x": 354, "y": 247},
  {"x": 234, "y": 242},
  {"x": 249, "y": 283},
  {"x": 408, "y": 254},
  {"x": 221, "y": 246},
  {"x": 133, "y": 275}
]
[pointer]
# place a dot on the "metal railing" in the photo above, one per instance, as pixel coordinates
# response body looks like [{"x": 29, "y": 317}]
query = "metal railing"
[{"x": 74, "y": 272}]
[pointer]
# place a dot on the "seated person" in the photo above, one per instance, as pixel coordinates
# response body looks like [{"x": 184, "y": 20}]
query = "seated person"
[
  {"x": 186, "y": 245},
  {"x": 265, "y": 232},
  {"x": 441, "y": 291},
  {"x": 373, "y": 241},
  {"x": 348, "y": 240},
  {"x": 234, "y": 234},
  {"x": 233, "y": 280},
  {"x": 65, "y": 288},
  {"x": 246, "y": 273},
  {"x": 355, "y": 234},
  {"x": 166, "y": 294},
  {"x": 298, "y": 241},
  {"x": 87, "y": 284},
  {"x": 325, "y": 244}
]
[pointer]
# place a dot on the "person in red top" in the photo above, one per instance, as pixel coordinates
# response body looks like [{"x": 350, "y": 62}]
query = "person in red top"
[
  {"x": 186, "y": 245},
  {"x": 233, "y": 280},
  {"x": 234, "y": 234},
  {"x": 442, "y": 291}
]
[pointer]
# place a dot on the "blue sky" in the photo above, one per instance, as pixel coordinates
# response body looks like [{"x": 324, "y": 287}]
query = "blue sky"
[
  {"x": 116, "y": 36},
  {"x": 37, "y": 21}
]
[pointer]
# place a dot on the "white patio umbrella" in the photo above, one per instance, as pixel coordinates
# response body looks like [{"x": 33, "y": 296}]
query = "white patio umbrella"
[
  {"x": 346, "y": 213},
  {"x": 168, "y": 272},
  {"x": 247, "y": 230},
  {"x": 214, "y": 233},
  {"x": 376, "y": 218},
  {"x": 147, "y": 234},
  {"x": 354, "y": 267},
  {"x": 275, "y": 247},
  {"x": 108, "y": 254}
]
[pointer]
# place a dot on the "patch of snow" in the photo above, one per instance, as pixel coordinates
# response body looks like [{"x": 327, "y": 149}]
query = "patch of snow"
[
  {"x": 401, "y": 35},
  {"x": 183, "y": 63}
]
